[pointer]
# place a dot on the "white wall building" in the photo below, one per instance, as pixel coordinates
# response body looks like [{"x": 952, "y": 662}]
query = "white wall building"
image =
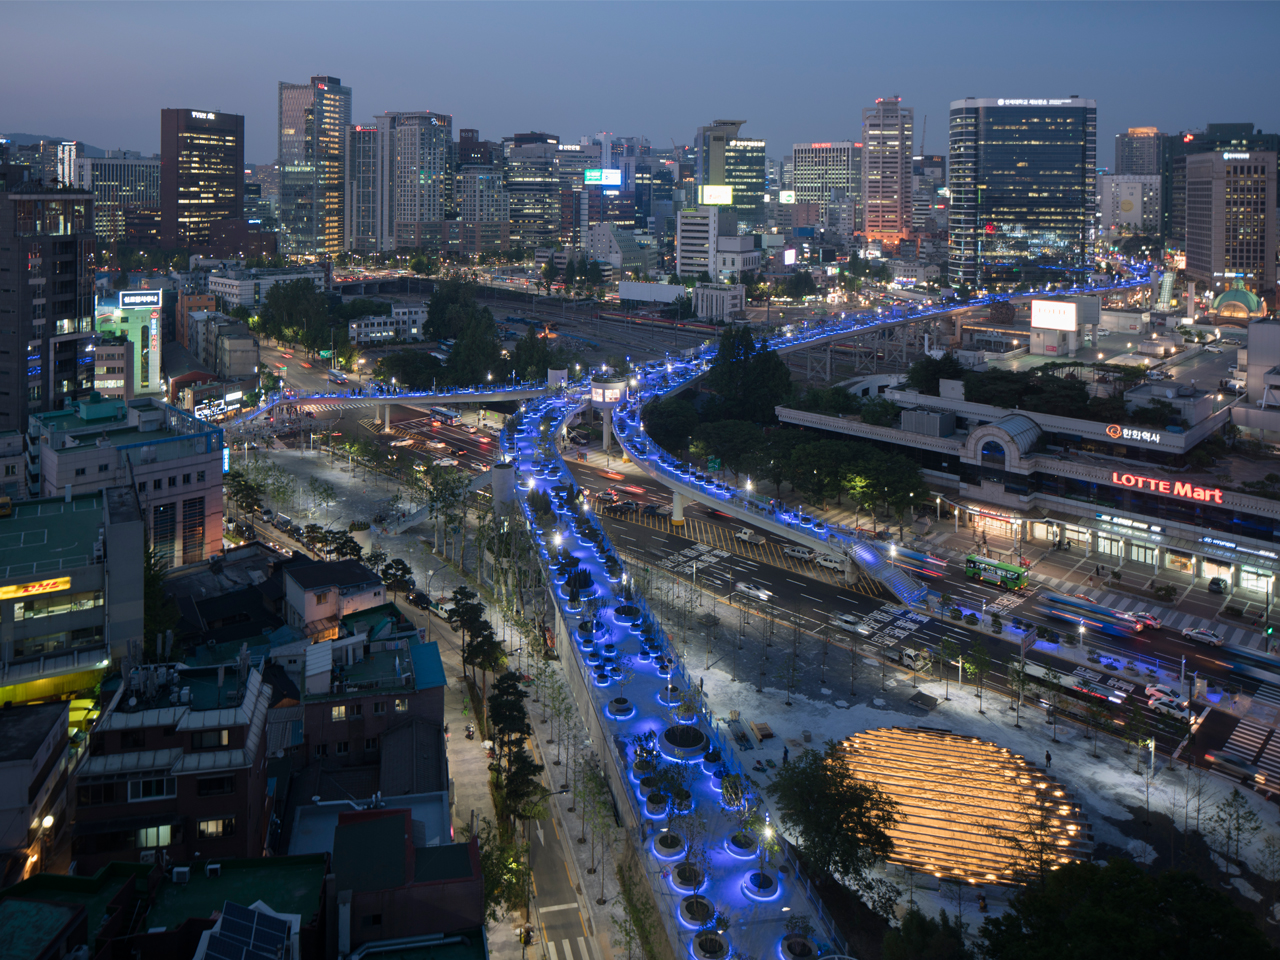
[
  {"x": 1129, "y": 203},
  {"x": 699, "y": 233},
  {"x": 719, "y": 301},
  {"x": 248, "y": 288},
  {"x": 734, "y": 255}
]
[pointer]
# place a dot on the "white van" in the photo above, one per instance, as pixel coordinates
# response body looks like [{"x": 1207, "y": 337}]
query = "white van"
[{"x": 797, "y": 552}]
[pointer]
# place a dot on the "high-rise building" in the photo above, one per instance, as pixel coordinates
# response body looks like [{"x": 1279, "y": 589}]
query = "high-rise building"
[
  {"x": 1223, "y": 137},
  {"x": 312, "y": 131},
  {"x": 1129, "y": 204},
  {"x": 201, "y": 174},
  {"x": 929, "y": 193},
  {"x": 1231, "y": 220},
  {"x": 482, "y": 194},
  {"x": 887, "y": 132},
  {"x": 68, "y": 152},
  {"x": 744, "y": 171},
  {"x": 698, "y": 230},
  {"x": 366, "y": 223},
  {"x": 533, "y": 190},
  {"x": 119, "y": 184},
  {"x": 1023, "y": 187},
  {"x": 1138, "y": 152},
  {"x": 422, "y": 172},
  {"x": 47, "y": 252},
  {"x": 818, "y": 169},
  {"x": 710, "y": 148}
]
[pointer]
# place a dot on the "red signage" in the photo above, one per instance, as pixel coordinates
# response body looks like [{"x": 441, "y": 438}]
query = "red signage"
[{"x": 1172, "y": 488}]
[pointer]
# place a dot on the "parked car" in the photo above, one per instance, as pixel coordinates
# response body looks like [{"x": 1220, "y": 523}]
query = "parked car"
[
  {"x": 418, "y": 599},
  {"x": 628, "y": 506},
  {"x": 268, "y": 514},
  {"x": 1234, "y": 764},
  {"x": 753, "y": 590},
  {"x": 1203, "y": 636},
  {"x": 828, "y": 561},
  {"x": 650, "y": 510},
  {"x": 797, "y": 552},
  {"x": 1217, "y": 585}
]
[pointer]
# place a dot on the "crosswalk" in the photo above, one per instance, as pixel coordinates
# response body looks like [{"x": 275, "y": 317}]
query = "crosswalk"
[
  {"x": 1257, "y": 742},
  {"x": 1235, "y": 636},
  {"x": 569, "y": 949}
]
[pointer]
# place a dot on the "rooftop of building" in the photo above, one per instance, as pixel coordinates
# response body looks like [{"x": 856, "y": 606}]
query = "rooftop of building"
[
  {"x": 204, "y": 688},
  {"x": 286, "y": 884},
  {"x": 386, "y": 670},
  {"x": 93, "y": 893},
  {"x": 49, "y": 535},
  {"x": 333, "y": 573},
  {"x": 30, "y": 928},
  {"x": 314, "y": 824},
  {"x": 380, "y": 623},
  {"x": 124, "y": 423},
  {"x": 23, "y": 729}
]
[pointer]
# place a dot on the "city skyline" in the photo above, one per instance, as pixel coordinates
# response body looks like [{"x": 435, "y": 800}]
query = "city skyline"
[{"x": 812, "y": 97}]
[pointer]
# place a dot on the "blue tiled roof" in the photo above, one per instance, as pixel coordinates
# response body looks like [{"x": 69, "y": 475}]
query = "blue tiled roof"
[{"x": 428, "y": 671}]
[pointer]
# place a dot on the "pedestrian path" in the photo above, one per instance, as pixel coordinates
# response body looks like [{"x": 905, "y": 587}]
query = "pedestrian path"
[
  {"x": 569, "y": 949},
  {"x": 1257, "y": 743}
]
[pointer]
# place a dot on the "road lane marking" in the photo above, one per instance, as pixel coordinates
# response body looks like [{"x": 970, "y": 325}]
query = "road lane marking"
[{"x": 558, "y": 907}]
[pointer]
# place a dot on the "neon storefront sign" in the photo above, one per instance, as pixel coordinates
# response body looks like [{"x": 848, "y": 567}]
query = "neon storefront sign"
[{"x": 1172, "y": 488}]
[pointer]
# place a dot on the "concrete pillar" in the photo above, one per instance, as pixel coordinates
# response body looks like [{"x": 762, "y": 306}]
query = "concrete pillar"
[
  {"x": 677, "y": 508},
  {"x": 1191, "y": 300},
  {"x": 503, "y": 485},
  {"x": 386, "y": 418},
  {"x": 850, "y": 570},
  {"x": 607, "y": 439}
]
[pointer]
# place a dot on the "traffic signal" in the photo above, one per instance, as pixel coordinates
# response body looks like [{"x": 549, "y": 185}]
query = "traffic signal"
[{"x": 1270, "y": 629}]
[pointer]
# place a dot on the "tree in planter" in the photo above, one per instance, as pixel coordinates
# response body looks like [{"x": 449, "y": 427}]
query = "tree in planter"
[
  {"x": 1051, "y": 686},
  {"x": 920, "y": 937},
  {"x": 841, "y": 822},
  {"x": 955, "y": 613},
  {"x": 1019, "y": 681},
  {"x": 1099, "y": 719},
  {"x": 508, "y": 714},
  {"x": 997, "y": 625},
  {"x": 978, "y": 665},
  {"x": 672, "y": 780}
]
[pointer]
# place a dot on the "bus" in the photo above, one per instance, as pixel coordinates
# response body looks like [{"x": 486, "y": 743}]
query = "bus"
[
  {"x": 921, "y": 564},
  {"x": 993, "y": 571},
  {"x": 1087, "y": 614},
  {"x": 446, "y": 416}
]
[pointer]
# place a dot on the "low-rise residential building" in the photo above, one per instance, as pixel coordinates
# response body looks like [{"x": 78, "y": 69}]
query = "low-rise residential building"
[
  {"x": 35, "y": 757},
  {"x": 176, "y": 767},
  {"x": 319, "y": 595},
  {"x": 170, "y": 459},
  {"x": 236, "y": 356},
  {"x": 13, "y": 465},
  {"x": 735, "y": 255},
  {"x": 913, "y": 271},
  {"x": 113, "y": 367},
  {"x": 616, "y": 244},
  {"x": 248, "y": 288},
  {"x": 72, "y": 604},
  {"x": 720, "y": 301},
  {"x": 405, "y": 324}
]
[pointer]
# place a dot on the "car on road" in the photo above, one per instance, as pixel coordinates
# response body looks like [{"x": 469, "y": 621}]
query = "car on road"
[
  {"x": 1169, "y": 708},
  {"x": 828, "y": 561},
  {"x": 797, "y": 552},
  {"x": 447, "y": 462},
  {"x": 468, "y": 428},
  {"x": 608, "y": 496},
  {"x": 1217, "y": 585},
  {"x": 1213, "y": 348},
  {"x": 435, "y": 444},
  {"x": 460, "y": 452},
  {"x": 747, "y": 535},
  {"x": 1234, "y": 764},
  {"x": 627, "y": 506},
  {"x": 1203, "y": 636},
  {"x": 650, "y": 510},
  {"x": 851, "y": 624},
  {"x": 1132, "y": 622},
  {"x": 753, "y": 590},
  {"x": 1149, "y": 620},
  {"x": 267, "y": 514}
]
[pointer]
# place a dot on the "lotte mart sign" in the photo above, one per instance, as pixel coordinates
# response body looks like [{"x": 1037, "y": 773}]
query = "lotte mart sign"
[{"x": 1170, "y": 488}]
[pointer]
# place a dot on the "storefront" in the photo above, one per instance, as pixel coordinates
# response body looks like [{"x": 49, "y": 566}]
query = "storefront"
[
  {"x": 1110, "y": 545},
  {"x": 1262, "y": 581},
  {"x": 1144, "y": 553},
  {"x": 1179, "y": 561}
]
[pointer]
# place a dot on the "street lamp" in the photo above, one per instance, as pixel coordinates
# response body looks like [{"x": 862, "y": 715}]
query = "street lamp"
[{"x": 939, "y": 505}]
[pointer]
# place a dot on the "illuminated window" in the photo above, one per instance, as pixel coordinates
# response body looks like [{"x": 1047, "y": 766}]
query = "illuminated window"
[
  {"x": 154, "y": 837},
  {"x": 216, "y": 828},
  {"x": 339, "y": 713}
]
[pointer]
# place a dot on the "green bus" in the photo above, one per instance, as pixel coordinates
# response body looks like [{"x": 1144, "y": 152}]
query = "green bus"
[{"x": 993, "y": 571}]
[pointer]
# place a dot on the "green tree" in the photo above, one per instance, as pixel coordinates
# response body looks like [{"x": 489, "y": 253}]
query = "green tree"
[
  {"x": 121, "y": 280},
  {"x": 670, "y": 422},
  {"x": 925, "y": 373},
  {"x": 977, "y": 664},
  {"x": 504, "y": 866},
  {"x": 159, "y": 611},
  {"x": 550, "y": 272},
  {"x": 730, "y": 441},
  {"x": 1235, "y": 822},
  {"x": 396, "y": 574},
  {"x": 1117, "y": 910},
  {"x": 841, "y": 822},
  {"x": 880, "y": 412},
  {"x": 923, "y": 938}
]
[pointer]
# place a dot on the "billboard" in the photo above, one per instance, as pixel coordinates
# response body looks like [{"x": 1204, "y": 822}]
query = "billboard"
[
  {"x": 786, "y": 196},
  {"x": 136, "y": 299},
  {"x": 715, "y": 194},
  {"x": 788, "y": 257},
  {"x": 1053, "y": 315},
  {"x": 602, "y": 178},
  {"x": 36, "y": 586}
]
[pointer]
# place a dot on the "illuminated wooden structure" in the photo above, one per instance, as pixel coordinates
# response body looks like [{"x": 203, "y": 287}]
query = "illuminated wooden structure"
[{"x": 969, "y": 810}]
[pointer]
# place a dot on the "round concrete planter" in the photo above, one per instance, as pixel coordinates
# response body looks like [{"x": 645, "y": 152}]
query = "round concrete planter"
[
  {"x": 686, "y": 876},
  {"x": 709, "y": 946},
  {"x": 741, "y": 845}
]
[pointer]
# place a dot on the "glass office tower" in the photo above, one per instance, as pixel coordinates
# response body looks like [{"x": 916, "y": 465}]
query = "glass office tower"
[{"x": 1023, "y": 189}]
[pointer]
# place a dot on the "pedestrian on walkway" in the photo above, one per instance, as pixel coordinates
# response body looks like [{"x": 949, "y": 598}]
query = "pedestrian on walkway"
[
  {"x": 785, "y": 753},
  {"x": 1098, "y": 569},
  {"x": 1048, "y": 759}
]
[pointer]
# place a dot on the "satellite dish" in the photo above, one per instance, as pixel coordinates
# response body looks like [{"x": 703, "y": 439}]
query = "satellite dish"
[{"x": 1169, "y": 393}]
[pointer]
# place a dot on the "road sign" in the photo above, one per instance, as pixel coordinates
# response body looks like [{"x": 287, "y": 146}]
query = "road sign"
[
  {"x": 326, "y": 354},
  {"x": 713, "y": 463}
]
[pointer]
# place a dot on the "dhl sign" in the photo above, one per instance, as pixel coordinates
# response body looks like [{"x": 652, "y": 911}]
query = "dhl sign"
[{"x": 35, "y": 587}]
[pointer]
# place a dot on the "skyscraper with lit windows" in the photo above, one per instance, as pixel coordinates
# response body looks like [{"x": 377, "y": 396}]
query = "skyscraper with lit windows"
[
  {"x": 887, "y": 131},
  {"x": 201, "y": 174},
  {"x": 312, "y": 131}
]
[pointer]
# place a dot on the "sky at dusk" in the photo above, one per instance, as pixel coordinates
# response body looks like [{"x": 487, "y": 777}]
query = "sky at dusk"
[{"x": 101, "y": 72}]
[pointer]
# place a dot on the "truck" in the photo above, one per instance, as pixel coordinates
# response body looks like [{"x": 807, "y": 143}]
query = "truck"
[
  {"x": 747, "y": 535},
  {"x": 909, "y": 657}
]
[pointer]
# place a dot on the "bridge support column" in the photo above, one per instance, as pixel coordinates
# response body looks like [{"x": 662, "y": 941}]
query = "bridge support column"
[
  {"x": 606, "y": 440},
  {"x": 850, "y": 570},
  {"x": 386, "y": 418},
  {"x": 503, "y": 485},
  {"x": 678, "y": 501}
]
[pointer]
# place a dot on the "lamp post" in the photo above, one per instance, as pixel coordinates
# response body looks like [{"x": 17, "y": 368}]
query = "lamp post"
[{"x": 938, "y": 501}]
